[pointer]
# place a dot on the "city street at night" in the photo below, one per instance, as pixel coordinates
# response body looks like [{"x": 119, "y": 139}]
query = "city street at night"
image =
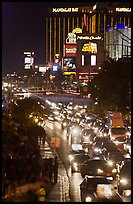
[{"x": 66, "y": 102}]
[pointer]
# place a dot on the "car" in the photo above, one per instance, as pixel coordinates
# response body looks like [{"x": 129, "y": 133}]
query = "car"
[
  {"x": 77, "y": 160},
  {"x": 120, "y": 142},
  {"x": 98, "y": 189},
  {"x": 124, "y": 179},
  {"x": 97, "y": 147},
  {"x": 64, "y": 123},
  {"x": 127, "y": 146},
  {"x": 99, "y": 167},
  {"x": 105, "y": 131},
  {"x": 51, "y": 118},
  {"x": 87, "y": 135},
  {"x": 75, "y": 152},
  {"x": 73, "y": 132},
  {"x": 112, "y": 153}
]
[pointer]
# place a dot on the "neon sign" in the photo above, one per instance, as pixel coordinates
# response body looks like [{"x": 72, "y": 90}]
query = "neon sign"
[
  {"x": 70, "y": 50},
  {"x": 71, "y": 38},
  {"x": 123, "y": 9},
  {"x": 57, "y": 10},
  {"x": 77, "y": 30},
  {"x": 89, "y": 38},
  {"x": 89, "y": 47}
]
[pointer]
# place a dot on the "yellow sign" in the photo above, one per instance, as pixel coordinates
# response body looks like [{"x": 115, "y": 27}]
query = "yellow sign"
[
  {"x": 77, "y": 30},
  {"x": 68, "y": 73},
  {"x": 57, "y": 55},
  {"x": 90, "y": 47}
]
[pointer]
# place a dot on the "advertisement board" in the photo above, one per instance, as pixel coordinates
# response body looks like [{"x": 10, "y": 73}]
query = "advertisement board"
[
  {"x": 42, "y": 69},
  {"x": 89, "y": 47},
  {"x": 70, "y": 50},
  {"x": 28, "y": 60},
  {"x": 69, "y": 63},
  {"x": 71, "y": 38}
]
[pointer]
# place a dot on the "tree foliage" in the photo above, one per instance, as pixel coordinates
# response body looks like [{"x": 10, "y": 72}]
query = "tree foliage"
[
  {"x": 22, "y": 111},
  {"x": 112, "y": 86}
]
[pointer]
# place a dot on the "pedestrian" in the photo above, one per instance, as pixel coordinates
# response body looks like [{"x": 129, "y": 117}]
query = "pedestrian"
[
  {"x": 41, "y": 194},
  {"x": 55, "y": 169},
  {"x": 50, "y": 168}
]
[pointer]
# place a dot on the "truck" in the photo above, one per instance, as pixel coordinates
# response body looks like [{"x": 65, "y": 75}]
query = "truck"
[{"x": 118, "y": 132}]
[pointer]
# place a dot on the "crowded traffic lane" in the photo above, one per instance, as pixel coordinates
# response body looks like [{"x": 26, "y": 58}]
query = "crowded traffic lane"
[{"x": 54, "y": 129}]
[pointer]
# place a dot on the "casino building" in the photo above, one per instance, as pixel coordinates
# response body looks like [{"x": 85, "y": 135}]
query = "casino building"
[
  {"x": 76, "y": 37},
  {"x": 96, "y": 17}
]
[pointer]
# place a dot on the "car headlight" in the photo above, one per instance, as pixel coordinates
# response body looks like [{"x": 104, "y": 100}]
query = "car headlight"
[
  {"x": 96, "y": 150},
  {"x": 75, "y": 164},
  {"x": 88, "y": 199},
  {"x": 65, "y": 124},
  {"x": 71, "y": 157},
  {"x": 99, "y": 171},
  {"x": 124, "y": 181},
  {"x": 114, "y": 171},
  {"x": 110, "y": 163}
]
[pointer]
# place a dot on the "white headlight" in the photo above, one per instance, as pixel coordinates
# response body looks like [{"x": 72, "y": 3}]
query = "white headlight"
[
  {"x": 110, "y": 163},
  {"x": 64, "y": 124},
  {"x": 114, "y": 171},
  {"x": 96, "y": 150},
  {"x": 71, "y": 157},
  {"x": 75, "y": 164},
  {"x": 88, "y": 199},
  {"x": 99, "y": 171},
  {"x": 124, "y": 181}
]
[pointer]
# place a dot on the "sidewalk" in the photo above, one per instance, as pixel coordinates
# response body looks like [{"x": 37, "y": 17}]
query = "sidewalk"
[{"x": 60, "y": 190}]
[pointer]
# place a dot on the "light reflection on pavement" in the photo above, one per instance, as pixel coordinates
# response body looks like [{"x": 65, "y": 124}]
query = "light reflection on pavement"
[{"x": 76, "y": 179}]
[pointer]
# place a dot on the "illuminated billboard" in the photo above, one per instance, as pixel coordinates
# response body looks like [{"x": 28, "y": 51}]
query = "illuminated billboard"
[
  {"x": 28, "y": 60},
  {"x": 42, "y": 69},
  {"x": 70, "y": 50},
  {"x": 69, "y": 63},
  {"x": 71, "y": 38},
  {"x": 89, "y": 47},
  {"x": 93, "y": 60}
]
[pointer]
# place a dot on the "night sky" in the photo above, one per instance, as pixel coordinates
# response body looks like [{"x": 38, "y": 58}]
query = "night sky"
[{"x": 23, "y": 29}]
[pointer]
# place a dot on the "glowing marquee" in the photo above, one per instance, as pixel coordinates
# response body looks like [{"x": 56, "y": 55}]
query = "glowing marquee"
[
  {"x": 89, "y": 47},
  {"x": 57, "y": 10},
  {"x": 77, "y": 30},
  {"x": 70, "y": 50},
  {"x": 71, "y": 38},
  {"x": 123, "y": 9},
  {"x": 89, "y": 38}
]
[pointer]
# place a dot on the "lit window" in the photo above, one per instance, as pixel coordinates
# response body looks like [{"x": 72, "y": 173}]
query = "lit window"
[
  {"x": 93, "y": 60},
  {"x": 83, "y": 61}
]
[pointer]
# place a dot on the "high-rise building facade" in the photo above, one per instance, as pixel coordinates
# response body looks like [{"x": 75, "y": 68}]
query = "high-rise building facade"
[
  {"x": 95, "y": 17},
  {"x": 118, "y": 41}
]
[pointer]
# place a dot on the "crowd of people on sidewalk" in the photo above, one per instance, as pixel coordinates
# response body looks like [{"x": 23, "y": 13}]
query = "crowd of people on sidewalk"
[
  {"x": 48, "y": 168},
  {"x": 51, "y": 169},
  {"x": 22, "y": 162}
]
